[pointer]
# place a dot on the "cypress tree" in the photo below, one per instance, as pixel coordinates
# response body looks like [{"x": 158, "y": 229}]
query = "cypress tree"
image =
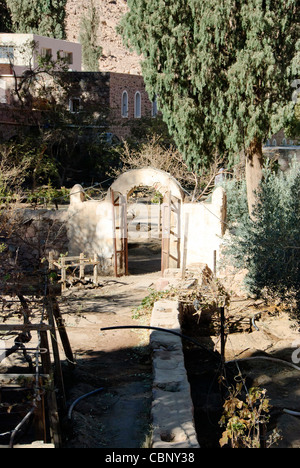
[
  {"x": 5, "y": 20},
  {"x": 43, "y": 17},
  {"x": 222, "y": 71},
  {"x": 88, "y": 38}
]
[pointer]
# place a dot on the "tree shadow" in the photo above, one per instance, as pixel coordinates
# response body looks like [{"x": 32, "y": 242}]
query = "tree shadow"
[
  {"x": 144, "y": 257},
  {"x": 282, "y": 383},
  {"x": 118, "y": 416}
]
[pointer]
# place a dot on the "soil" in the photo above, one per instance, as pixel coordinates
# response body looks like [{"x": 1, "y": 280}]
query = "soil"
[
  {"x": 117, "y": 363},
  {"x": 260, "y": 355}
]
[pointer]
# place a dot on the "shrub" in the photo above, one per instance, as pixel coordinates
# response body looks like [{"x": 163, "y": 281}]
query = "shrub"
[{"x": 268, "y": 245}]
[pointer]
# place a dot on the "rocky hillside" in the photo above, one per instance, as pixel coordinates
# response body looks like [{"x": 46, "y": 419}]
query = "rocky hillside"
[{"x": 115, "y": 56}]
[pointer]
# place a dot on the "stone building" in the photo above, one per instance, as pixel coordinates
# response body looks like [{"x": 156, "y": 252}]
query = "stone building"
[{"x": 108, "y": 101}]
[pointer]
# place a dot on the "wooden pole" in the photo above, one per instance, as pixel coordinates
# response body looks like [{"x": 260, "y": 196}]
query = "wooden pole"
[
  {"x": 215, "y": 262},
  {"x": 185, "y": 241},
  {"x": 63, "y": 274},
  {"x": 55, "y": 429},
  {"x": 81, "y": 266},
  {"x": 114, "y": 233},
  {"x": 62, "y": 332},
  {"x": 57, "y": 363},
  {"x": 95, "y": 269},
  {"x": 222, "y": 315}
]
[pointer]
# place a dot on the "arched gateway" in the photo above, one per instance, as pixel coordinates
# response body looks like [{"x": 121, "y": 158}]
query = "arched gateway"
[
  {"x": 169, "y": 215},
  {"x": 191, "y": 233}
]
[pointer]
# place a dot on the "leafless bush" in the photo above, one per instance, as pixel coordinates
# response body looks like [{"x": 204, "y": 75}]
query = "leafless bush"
[{"x": 198, "y": 183}]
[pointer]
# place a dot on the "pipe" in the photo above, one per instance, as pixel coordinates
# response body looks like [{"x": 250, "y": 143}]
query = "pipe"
[
  {"x": 293, "y": 413},
  {"x": 266, "y": 358},
  {"x": 81, "y": 398},
  {"x": 18, "y": 427},
  {"x": 253, "y": 321},
  {"x": 163, "y": 330}
]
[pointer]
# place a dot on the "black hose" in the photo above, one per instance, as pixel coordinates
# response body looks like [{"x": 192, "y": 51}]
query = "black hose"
[{"x": 188, "y": 338}]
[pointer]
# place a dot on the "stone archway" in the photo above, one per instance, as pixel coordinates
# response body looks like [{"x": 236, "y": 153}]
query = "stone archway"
[
  {"x": 169, "y": 216},
  {"x": 159, "y": 180}
]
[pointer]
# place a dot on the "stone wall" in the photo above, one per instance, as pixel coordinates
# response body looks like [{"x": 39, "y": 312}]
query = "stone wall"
[
  {"x": 86, "y": 226},
  {"x": 12, "y": 120},
  {"x": 172, "y": 407},
  {"x": 120, "y": 82},
  {"x": 35, "y": 233},
  {"x": 206, "y": 225},
  {"x": 89, "y": 228},
  {"x": 100, "y": 100}
]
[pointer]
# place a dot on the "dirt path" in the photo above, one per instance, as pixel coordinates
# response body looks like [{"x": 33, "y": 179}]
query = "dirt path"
[
  {"x": 119, "y": 362},
  {"x": 116, "y": 361}
]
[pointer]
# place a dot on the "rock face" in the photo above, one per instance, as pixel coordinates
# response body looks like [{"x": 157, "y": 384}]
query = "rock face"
[{"x": 115, "y": 57}]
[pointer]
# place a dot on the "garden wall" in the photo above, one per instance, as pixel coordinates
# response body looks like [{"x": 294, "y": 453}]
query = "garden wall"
[{"x": 202, "y": 226}]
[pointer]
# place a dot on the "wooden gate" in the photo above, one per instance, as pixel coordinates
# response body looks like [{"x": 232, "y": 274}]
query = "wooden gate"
[
  {"x": 120, "y": 233},
  {"x": 171, "y": 232}
]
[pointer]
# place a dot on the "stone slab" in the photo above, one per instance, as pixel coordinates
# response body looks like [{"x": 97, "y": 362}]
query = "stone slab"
[{"x": 172, "y": 406}]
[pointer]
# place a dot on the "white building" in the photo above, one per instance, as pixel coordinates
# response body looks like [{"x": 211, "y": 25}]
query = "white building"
[{"x": 20, "y": 52}]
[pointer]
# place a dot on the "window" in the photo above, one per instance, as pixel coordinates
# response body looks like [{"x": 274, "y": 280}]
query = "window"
[
  {"x": 74, "y": 105},
  {"x": 69, "y": 57},
  {"x": 46, "y": 52},
  {"x": 125, "y": 104},
  {"x": 7, "y": 52},
  {"x": 154, "y": 107},
  {"x": 66, "y": 56},
  {"x": 137, "y": 105}
]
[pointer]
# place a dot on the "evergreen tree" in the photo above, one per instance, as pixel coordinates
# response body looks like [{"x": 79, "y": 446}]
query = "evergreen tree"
[
  {"x": 43, "y": 17},
  {"x": 268, "y": 247},
  {"x": 222, "y": 71},
  {"x": 88, "y": 38},
  {"x": 5, "y": 20}
]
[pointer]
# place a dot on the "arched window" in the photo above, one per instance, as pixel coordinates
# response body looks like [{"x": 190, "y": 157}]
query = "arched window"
[
  {"x": 137, "y": 105},
  {"x": 274, "y": 142},
  {"x": 154, "y": 107},
  {"x": 124, "y": 104}
]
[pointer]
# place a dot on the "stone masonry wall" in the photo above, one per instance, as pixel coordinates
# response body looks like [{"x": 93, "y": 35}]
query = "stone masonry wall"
[
  {"x": 35, "y": 233},
  {"x": 100, "y": 95},
  {"x": 120, "y": 82}
]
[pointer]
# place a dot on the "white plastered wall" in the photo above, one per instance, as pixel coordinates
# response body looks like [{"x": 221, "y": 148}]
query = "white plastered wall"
[
  {"x": 90, "y": 229},
  {"x": 203, "y": 227}
]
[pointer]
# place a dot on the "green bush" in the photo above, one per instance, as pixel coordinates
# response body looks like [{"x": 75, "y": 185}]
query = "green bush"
[{"x": 268, "y": 246}]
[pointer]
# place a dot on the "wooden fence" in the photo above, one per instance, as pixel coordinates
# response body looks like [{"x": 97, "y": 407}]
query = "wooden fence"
[{"x": 78, "y": 264}]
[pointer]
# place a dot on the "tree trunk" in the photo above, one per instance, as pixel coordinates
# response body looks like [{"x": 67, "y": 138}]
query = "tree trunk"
[{"x": 254, "y": 165}]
